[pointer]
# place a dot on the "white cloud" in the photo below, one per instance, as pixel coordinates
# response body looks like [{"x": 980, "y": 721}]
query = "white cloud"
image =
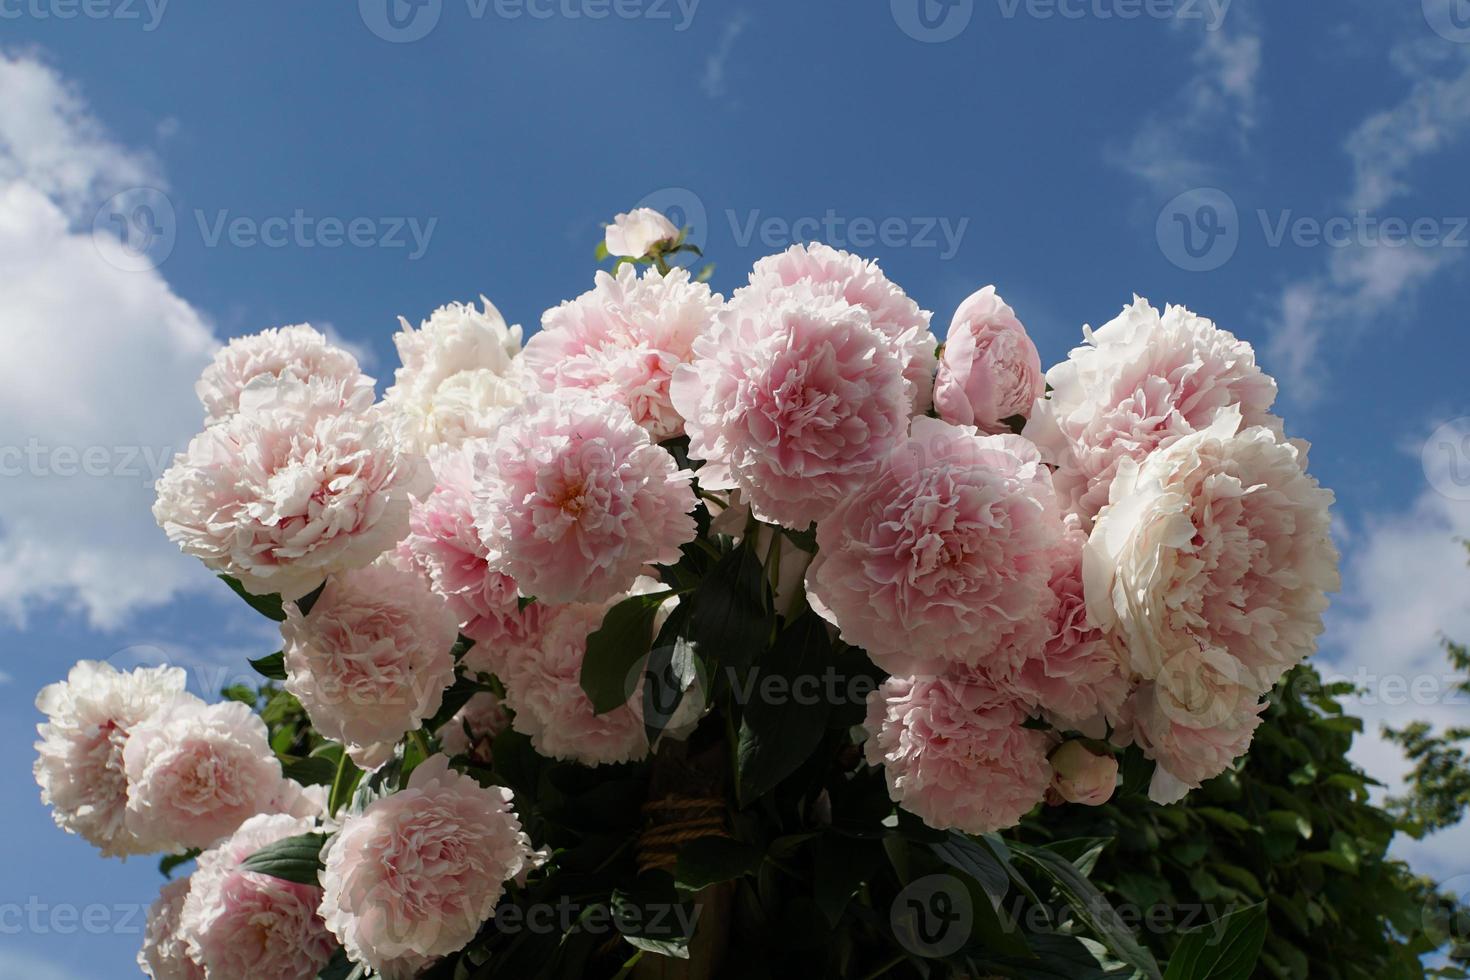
[
  {"x": 1406, "y": 585},
  {"x": 96, "y": 386},
  {"x": 713, "y": 79}
]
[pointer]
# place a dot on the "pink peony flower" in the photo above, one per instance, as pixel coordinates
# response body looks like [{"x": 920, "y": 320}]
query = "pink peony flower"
[
  {"x": 622, "y": 341},
  {"x": 414, "y": 876},
  {"x": 990, "y": 370},
  {"x": 573, "y": 500},
  {"x": 1186, "y": 755},
  {"x": 460, "y": 376},
  {"x": 243, "y": 925},
  {"x": 297, "y": 353},
  {"x": 196, "y": 773},
  {"x": 858, "y": 281},
  {"x": 472, "y": 730},
  {"x": 944, "y": 557},
  {"x": 1075, "y": 676},
  {"x": 444, "y": 545},
  {"x": 79, "y": 759},
  {"x": 1210, "y": 567},
  {"x": 543, "y": 687},
  {"x": 634, "y": 234},
  {"x": 165, "y": 952},
  {"x": 794, "y": 398},
  {"x": 1083, "y": 776},
  {"x": 1140, "y": 383},
  {"x": 955, "y": 753},
  {"x": 372, "y": 659},
  {"x": 293, "y": 488}
]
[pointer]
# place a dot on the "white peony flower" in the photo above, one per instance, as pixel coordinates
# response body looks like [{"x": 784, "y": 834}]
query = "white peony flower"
[
  {"x": 89, "y": 719},
  {"x": 295, "y": 353},
  {"x": 460, "y": 374},
  {"x": 633, "y": 235},
  {"x": 165, "y": 952}
]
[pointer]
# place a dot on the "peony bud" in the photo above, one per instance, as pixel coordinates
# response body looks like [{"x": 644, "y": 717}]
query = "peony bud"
[
  {"x": 633, "y": 235},
  {"x": 1082, "y": 776},
  {"x": 990, "y": 370}
]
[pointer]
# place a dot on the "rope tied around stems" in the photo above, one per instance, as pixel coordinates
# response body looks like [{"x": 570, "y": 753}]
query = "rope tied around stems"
[{"x": 672, "y": 821}]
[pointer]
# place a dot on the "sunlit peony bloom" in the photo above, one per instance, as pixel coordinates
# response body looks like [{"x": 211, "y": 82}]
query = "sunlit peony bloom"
[
  {"x": 460, "y": 375},
  {"x": 165, "y": 952},
  {"x": 543, "y": 687},
  {"x": 944, "y": 556},
  {"x": 622, "y": 341},
  {"x": 243, "y": 925},
  {"x": 472, "y": 730},
  {"x": 1083, "y": 776},
  {"x": 990, "y": 370},
  {"x": 79, "y": 766},
  {"x": 634, "y": 234},
  {"x": 1074, "y": 676},
  {"x": 1186, "y": 755},
  {"x": 1210, "y": 567},
  {"x": 794, "y": 398},
  {"x": 293, "y": 488},
  {"x": 372, "y": 659},
  {"x": 444, "y": 545},
  {"x": 296, "y": 353},
  {"x": 1141, "y": 382},
  {"x": 415, "y": 875},
  {"x": 573, "y": 499},
  {"x": 858, "y": 281},
  {"x": 196, "y": 773},
  {"x": 955, "y": 753}
]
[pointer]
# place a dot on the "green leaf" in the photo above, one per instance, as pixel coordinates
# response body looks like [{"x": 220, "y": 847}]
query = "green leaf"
[
  {"x": 672, "y": 669},
  {"x": 978, "y": 862},
  {"x": 614, "y": 649},
  {"x": 268, "y": 606},
  {"x": 843, "y": 864},
  {"x": 456, "y": 697},
  {"x": 295, "y": 859},
  {"x": 711, "y": 860},
  {"x": 779, "y": 730},
  {"x": 1091, "y": 908},
  {"x": 314, "y": 770},
  {"x": 1226, "y": 949},
  {"x": 272, "y": 667},
  {"x": 733, "y": 617}
]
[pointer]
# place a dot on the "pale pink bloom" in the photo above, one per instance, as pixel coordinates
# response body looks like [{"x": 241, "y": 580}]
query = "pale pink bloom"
[
  {"x": 372, "y": 659},
  {"x": 860, "y": 282},
  {"x": 196, "y": 773},
  {"x": 460, "y": 376},
  {"x": 990, "y": 370},
  {"x": 472, "y": 730},
  {"x": 955, "y": 752},
  {"x": 293, "y": 488},
  {"x": 165, "y": 952},
  {"x": 573, "y": 500},
  {"x": 622, "y": 341},
  {"x": 244, "y": 925},
  {"x": 1186, "y": 755},
  {"x": 295, "y": 353},
  {"x": 296, "y": 800},
  {"x": 1081, "y": 775},
  {"x": 543, "y": 686},
  {"x": 1140, "y": 383},
  {"x": 79, "y": 758},
  {"x": 793, "y": 398},
  {"x": 945, "y": 556},
  {"x": 444, "y": 545},
  {"x": 1210, "y": 567},
  {"x": 415, "y": 875},
  {"x": 1075, "y": 676},
  {"x": 634, "y": 234}
]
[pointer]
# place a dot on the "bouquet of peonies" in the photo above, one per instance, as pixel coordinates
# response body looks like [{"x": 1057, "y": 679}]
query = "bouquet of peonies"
[{"x": 694, "y": 625}]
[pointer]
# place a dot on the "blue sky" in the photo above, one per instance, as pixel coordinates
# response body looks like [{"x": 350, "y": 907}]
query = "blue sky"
[{"x": 1061, "y": 149}]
